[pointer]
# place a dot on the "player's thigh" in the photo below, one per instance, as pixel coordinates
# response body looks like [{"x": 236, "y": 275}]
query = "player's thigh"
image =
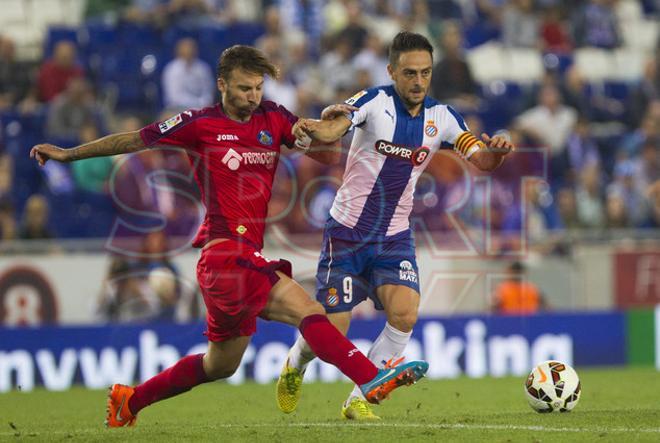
[
  {"x": 289, "y": 303},
  {"x": 341, "y": 321},
  {"x": 401, "y": 304},
  {"x": 223, "y": 358}
]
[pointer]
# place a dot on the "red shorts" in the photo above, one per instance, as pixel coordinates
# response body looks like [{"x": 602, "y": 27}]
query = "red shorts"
[{"x": 235, "y": 280}]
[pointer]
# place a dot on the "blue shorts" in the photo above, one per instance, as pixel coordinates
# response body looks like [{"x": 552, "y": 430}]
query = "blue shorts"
[{"x": 349, "y": 272}]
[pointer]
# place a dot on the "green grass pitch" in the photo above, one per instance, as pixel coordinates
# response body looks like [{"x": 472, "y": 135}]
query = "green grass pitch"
[{"x": 616, "y": 405}]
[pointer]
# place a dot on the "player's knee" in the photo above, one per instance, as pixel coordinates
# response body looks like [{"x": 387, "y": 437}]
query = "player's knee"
[
  {"x": 216, "y": 370},
  {"x": 312, "y": 308},
  {"x": 404, "y": 321}
]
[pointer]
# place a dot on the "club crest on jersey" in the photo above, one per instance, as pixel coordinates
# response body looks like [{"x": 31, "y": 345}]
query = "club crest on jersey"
[
  {"x": 414, "y": 155},
  {"x": 431, "y": 129},
  {"x": 332, "y": 298},
  {"x": 407, "y": 272},
  {"x": 170, "y": 123},
  {"x": 265, "y": 138}
]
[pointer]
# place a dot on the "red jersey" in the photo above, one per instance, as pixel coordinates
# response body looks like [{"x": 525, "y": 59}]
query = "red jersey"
[{"x": 234, "y": 165}]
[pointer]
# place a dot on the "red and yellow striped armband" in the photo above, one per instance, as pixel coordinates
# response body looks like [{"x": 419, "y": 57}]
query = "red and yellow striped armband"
[{"x": 467, "y": 144}]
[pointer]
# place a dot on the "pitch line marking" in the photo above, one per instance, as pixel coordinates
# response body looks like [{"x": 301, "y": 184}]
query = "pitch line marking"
[{"x": 444, "y": 426}]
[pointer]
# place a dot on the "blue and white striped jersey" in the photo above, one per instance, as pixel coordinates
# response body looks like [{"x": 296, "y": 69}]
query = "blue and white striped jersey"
[{"x": 390, "y": 150}]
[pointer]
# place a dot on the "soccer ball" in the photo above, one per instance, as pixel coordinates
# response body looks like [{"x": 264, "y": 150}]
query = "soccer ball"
[{"x": 552, "y": 386}]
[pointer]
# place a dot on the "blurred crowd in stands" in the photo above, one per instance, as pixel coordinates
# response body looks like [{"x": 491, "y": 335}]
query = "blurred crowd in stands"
[{"x": 589, "y": 150}]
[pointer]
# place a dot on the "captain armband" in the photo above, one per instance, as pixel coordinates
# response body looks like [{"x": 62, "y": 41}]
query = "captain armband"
[{"x": 467, "y": 144}]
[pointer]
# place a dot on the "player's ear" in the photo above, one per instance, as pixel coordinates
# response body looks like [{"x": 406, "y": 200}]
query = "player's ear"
[
  {"x": 222, "y": 85},
  {"x": 390, "y": 70}
]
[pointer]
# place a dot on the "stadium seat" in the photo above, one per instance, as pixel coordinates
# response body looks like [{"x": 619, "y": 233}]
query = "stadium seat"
[
  {"x": 641, "y": 35},
  {"x": 13, "y": 11},
  {"x": 628, "y": 65},
  {"x": 524, "y": 65},
  {"x": 487, "y": 62},
  {"x": 479, "y": 34},
  {"x": 595, "y": 64}
]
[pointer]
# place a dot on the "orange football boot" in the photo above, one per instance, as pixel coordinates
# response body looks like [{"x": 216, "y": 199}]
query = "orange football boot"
[{"x": 117, "y": 412}]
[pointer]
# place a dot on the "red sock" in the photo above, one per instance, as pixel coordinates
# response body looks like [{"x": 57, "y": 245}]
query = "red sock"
[
  {"x": 183, "y": 376},
  {"x": 331, "y": 346}
]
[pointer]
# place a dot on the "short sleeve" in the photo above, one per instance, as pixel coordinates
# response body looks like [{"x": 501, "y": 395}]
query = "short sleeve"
[
  {"x": 364, "y": 100},
  {"x": 287, "y": 119},
  {"x": 457, "y": 135},
  {"x": 179, "y": 130}
]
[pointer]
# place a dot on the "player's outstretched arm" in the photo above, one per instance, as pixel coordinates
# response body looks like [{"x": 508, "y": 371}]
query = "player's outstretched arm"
[
  {"x": 490, "y": 154},
  {"x": 319, "y": 140},
  {"x": 323, "y": 131},
  {"x": 109, "y": 145}
]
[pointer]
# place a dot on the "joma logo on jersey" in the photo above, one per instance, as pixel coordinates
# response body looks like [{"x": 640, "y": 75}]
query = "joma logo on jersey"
[
  {"x": 227, "y": 137},
  {"x": 414, "y": 155},
  {"x": 233, "y": 159}
]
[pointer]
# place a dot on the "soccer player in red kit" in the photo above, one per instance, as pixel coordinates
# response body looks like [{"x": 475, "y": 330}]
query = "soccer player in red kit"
[{"x": 233, "y": 148}]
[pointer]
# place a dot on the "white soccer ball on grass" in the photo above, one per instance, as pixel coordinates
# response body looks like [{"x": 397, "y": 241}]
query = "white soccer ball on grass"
[{"x": 553, "y": 386}]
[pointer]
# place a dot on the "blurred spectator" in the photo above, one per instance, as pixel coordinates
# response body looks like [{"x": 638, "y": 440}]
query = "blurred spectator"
[
  {"x": 645, "y": 91},
  {"x": 71, "y": 110},
  {"x": 7, "y": 220},
  {"x": 152, "y": 188},
  {"x": 520, "y": 25},
  {"x": 635, "y": 204},
  {"x": 591, "y": 212},
  {"x": 653, "y": 193},
  {"x": 153, "y": 12},
  {"x": 126, "y": 296},
  {"x": 581, "y": 151},
  {"x": 588, "y": 100},
  {"x": 452, "y": 79},
  {"x": 516, "y": 295},
  {"x": 355, "y": 31},
  {"x": 373, "y": 59},
  {"x": 55, "y": 73},
  {"x": 188, "y": 82},
  {"x": 6, "y": 177},
  {"x": 35, "y": 219},
  {"x": 281, "y": 90},
  {"x": 275, "y": 32},
  {"x": 647, "y": 132},
  {"x": 304, "y": 16},
  {"x": 535, "y": 217},
  {"x": 14, "y": 75},
  {"x": 91, "y": 174},
  {"x": 7, "y": 214},
  {"x": 595, "y": 24},
  {"x": 615, "y": 211},
  {"x": 647, "y": 167},
  {"x": 550, "y": 122},
  {"x": 337, "y": 67},
  {"x": 567, "y": 207},
  {"x": 555, "y": 36},
  {"x": 162, "y": 274},
  {"x": 382, "y": 20}
]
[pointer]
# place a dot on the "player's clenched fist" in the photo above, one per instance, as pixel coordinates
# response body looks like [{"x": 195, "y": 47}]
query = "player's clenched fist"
[{"x": 43, "y": 153}]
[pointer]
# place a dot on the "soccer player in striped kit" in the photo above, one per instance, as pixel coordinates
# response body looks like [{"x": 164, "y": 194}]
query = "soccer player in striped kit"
[{"x": 368, "y": 247}]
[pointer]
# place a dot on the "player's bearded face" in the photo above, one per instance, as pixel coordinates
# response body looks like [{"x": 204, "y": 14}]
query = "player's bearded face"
[
  {"x": 242, "y": 92},
  {"x": 412, "y": 76}
]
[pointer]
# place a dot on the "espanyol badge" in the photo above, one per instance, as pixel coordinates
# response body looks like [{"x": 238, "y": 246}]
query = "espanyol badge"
[
  {"x": 265, "y": 138},
  {"x": 332, "y": 299},
  {"x": 431, "y": 129}
]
